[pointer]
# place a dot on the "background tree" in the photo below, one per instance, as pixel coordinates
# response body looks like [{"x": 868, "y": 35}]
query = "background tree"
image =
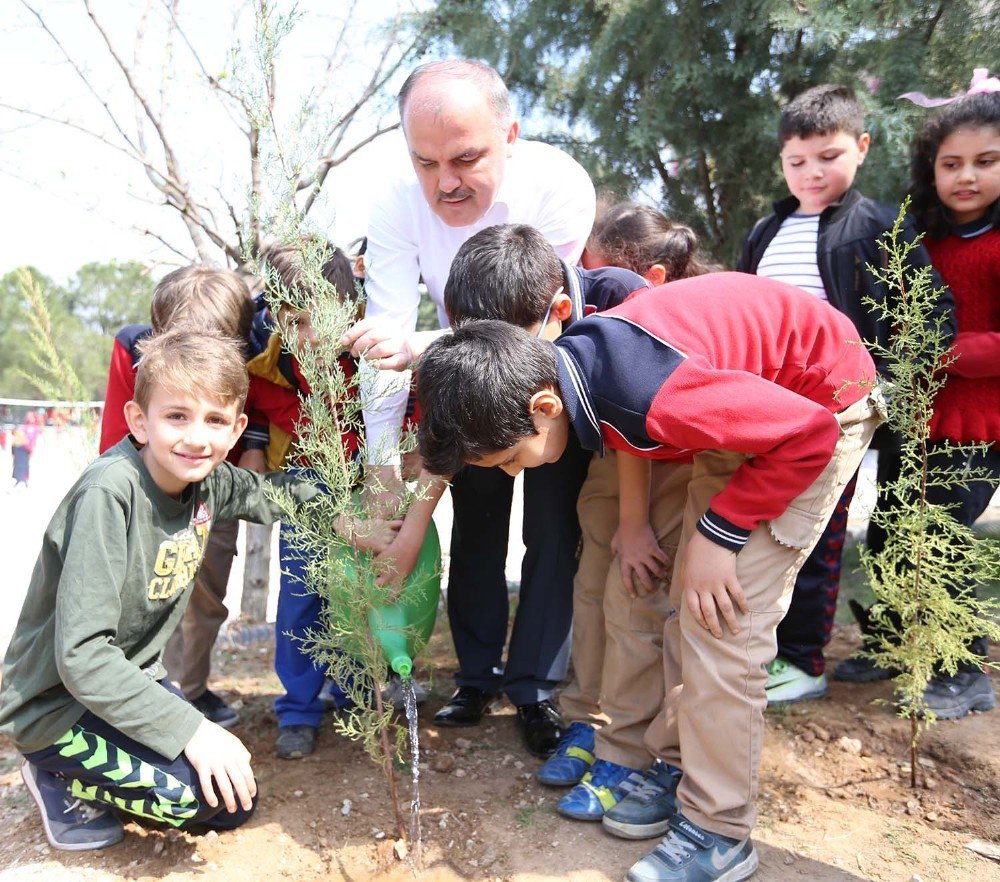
[
  {"x": 187, "y": 116},
  {"x": 680, "y": 100},
  {"x": 85, "y": 314}
]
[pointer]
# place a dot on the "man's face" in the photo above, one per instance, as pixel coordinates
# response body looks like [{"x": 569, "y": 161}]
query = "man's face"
[
  {"x": 821, "y": 168},
  {"x": 459, "y": 152},
  {"x": 185, "y": 436}
]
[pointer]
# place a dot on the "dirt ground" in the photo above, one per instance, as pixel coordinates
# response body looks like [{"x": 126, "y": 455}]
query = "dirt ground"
[{"x": 835, "y": 803}]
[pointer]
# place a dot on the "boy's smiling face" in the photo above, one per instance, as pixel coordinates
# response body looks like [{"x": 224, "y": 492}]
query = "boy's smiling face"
[
  {"x": 819, "y": 169},
  {"x": 184, "y": 437},
  {"x": 547, "y": 445}
]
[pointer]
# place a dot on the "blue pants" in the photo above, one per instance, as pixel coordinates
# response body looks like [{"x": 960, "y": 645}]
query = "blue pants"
[{"x": 298, "y": 612}]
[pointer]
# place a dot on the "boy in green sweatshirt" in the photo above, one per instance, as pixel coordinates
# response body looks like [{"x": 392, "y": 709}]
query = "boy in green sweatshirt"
[{"x": 84, "y": 696}]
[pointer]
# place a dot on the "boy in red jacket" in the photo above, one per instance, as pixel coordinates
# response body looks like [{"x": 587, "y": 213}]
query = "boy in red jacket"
[{"x": 771, "y": 393}]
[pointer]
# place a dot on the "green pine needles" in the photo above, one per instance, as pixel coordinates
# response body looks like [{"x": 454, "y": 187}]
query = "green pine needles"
[
  {"x": 345, "y": 643},
  {"x": 925, "y": 613}
]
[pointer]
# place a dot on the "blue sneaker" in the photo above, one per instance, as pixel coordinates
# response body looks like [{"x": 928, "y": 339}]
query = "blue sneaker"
[
  {"x": 600, "y": 789},
  {"x": 646, "y": 811},
  {"x": 573, "y": 757},
  {"x": 690, "y": 854}
]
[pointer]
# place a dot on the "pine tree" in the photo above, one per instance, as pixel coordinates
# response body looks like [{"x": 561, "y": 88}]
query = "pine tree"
[{"x": 924, "y": 615}]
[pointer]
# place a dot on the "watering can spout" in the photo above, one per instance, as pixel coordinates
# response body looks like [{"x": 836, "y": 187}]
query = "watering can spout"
[{"x": 402, "y": 665}]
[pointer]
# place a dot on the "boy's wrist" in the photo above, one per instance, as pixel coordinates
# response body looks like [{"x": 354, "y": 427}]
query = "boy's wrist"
[{"x": 725, "y": 533}]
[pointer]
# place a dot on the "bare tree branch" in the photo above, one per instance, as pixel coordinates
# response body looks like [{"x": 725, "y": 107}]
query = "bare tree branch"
[{"x": 143, "y": 231}]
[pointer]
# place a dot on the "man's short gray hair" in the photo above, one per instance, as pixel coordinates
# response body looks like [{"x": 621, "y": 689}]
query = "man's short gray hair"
[{"x": 481, "y": 74}]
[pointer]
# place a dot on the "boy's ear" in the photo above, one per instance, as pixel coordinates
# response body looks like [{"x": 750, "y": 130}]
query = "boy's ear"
[
  {"x": 546, "y": 402},
  {"x": 238, "y": 427},
  {"x": 656, "y": 275},
  {"x": 864, "y": 142},
  {"x": 562, "y": 306},
  {"x": 136, "y": 421}
]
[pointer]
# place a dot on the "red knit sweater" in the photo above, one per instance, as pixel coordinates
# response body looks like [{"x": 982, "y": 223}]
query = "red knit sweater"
[{"x": 968, "y": 407}]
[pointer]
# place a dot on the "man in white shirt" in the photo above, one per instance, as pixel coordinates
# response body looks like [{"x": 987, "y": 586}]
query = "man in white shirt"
[{"x": 471, "y": 173}]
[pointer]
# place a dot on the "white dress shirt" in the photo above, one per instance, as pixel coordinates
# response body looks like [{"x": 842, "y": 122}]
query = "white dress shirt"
[{"x": 407, "y": 241}]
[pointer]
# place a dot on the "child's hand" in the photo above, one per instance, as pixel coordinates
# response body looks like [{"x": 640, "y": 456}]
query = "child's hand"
[
  {"x": 368, "y": 534},
  {"x": 253, "y": 460},
  {"x": 708, "y": 575},
  {"x": 216, "y": 753},
  {"x": 643, "y": 563},
  {"x": 397, "y": 562}
]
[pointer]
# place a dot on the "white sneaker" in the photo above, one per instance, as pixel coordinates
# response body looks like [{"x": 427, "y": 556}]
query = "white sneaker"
[{"x": 787, "y": 683}]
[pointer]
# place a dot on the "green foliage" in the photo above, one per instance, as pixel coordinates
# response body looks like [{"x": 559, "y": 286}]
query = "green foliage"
[
  {"x": 924, "y": 613},
  {"x": 681, "y": 100},
  {"x": 53, "y": 376},
  {"x": 83, "y": 316},
  {"x": 344, "y": 643}
]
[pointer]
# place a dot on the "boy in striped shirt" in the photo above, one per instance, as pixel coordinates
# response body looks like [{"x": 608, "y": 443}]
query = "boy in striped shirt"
[{"x": 824, "y": 239}]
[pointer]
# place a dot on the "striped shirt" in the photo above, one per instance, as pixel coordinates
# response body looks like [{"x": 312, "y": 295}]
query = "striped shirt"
[{"x": 791, "y": 255}]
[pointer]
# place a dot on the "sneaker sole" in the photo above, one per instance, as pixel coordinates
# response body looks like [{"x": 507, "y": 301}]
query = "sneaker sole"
[
  {"x": 29, "y": 782},
  {"x": 981, "y": 703},
  {"x": 579, "y": 816},
  {"x": 624, "y": 830},
  {"x": 806, "y": 696},
  {"x": 561, "y": 782}
]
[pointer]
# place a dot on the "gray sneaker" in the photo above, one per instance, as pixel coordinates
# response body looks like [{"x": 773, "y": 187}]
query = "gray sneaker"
[
  {"x": 646, "y": 810},
  {"x": 70, "y": 823},
  {"x": 690, "y": 854},
  {"x": 295, "y": 742}
]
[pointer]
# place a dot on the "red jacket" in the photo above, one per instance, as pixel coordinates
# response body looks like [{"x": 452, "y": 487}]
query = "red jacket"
[{"x": 724, "y": 361}]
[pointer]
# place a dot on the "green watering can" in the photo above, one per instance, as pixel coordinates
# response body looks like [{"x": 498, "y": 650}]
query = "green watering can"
[{"x": 404, "y": 627}]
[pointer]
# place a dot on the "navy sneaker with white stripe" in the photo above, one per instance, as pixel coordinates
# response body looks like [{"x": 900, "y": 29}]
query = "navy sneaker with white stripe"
[{"x": 691, "y": 854}]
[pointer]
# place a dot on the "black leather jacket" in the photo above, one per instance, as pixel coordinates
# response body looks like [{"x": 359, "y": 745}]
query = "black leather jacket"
[{"x": 849, "y": 231}]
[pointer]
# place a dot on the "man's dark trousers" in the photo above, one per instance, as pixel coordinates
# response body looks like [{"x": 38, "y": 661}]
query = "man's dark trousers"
[{"x": 538, "y": 654}]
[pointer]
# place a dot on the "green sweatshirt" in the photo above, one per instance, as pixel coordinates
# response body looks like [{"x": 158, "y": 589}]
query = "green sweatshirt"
[{"x": 111, "y": 584}]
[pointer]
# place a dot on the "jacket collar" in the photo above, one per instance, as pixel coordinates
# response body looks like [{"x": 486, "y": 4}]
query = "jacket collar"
[
  {"x": 785, "y": 207},
  {"x": 578, "y": 402},
  {"x": 573, "y": 280}
]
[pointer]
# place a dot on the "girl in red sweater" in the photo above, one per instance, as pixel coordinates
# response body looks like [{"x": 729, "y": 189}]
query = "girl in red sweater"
[{"x": 955, "y": 189}]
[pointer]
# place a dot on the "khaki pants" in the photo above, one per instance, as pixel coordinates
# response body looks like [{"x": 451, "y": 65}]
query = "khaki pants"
[
  {"x": 188, "y": 654},
  {"x": 711, "y": 723},
  {"x": 618, "y": 640}
]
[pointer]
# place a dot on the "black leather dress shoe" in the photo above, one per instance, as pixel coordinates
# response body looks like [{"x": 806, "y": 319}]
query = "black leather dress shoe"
[
  {"x": 465, "y": 708},
  {"x": 541, "y": 727}
]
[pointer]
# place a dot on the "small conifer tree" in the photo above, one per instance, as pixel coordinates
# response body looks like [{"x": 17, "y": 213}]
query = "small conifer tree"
[
  {"x": 924, "y": 615},
  {"x": 53, "y": 374}
]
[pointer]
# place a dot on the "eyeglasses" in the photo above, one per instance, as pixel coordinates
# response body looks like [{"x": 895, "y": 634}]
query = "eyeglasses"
[{"x": 548, "y": 312}]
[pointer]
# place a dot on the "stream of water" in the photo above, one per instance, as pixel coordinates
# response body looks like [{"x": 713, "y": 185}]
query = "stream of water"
[{"x": 410, "y": 701}]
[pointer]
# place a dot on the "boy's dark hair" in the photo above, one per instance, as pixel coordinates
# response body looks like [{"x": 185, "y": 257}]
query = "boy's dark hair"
[
  {"x": 972, "y": 111},
  {"x": 474, "y": 387},
  {"x": 822, "y": 110},
  {"x": 288, "y": 263},
  {"x": 637, "y": 237},
  {"x": 203, "y": 297},
  {"x": 507, "y": 272}
]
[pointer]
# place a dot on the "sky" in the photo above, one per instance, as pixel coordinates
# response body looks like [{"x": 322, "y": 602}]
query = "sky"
[{"x": 70, "y": 199}]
